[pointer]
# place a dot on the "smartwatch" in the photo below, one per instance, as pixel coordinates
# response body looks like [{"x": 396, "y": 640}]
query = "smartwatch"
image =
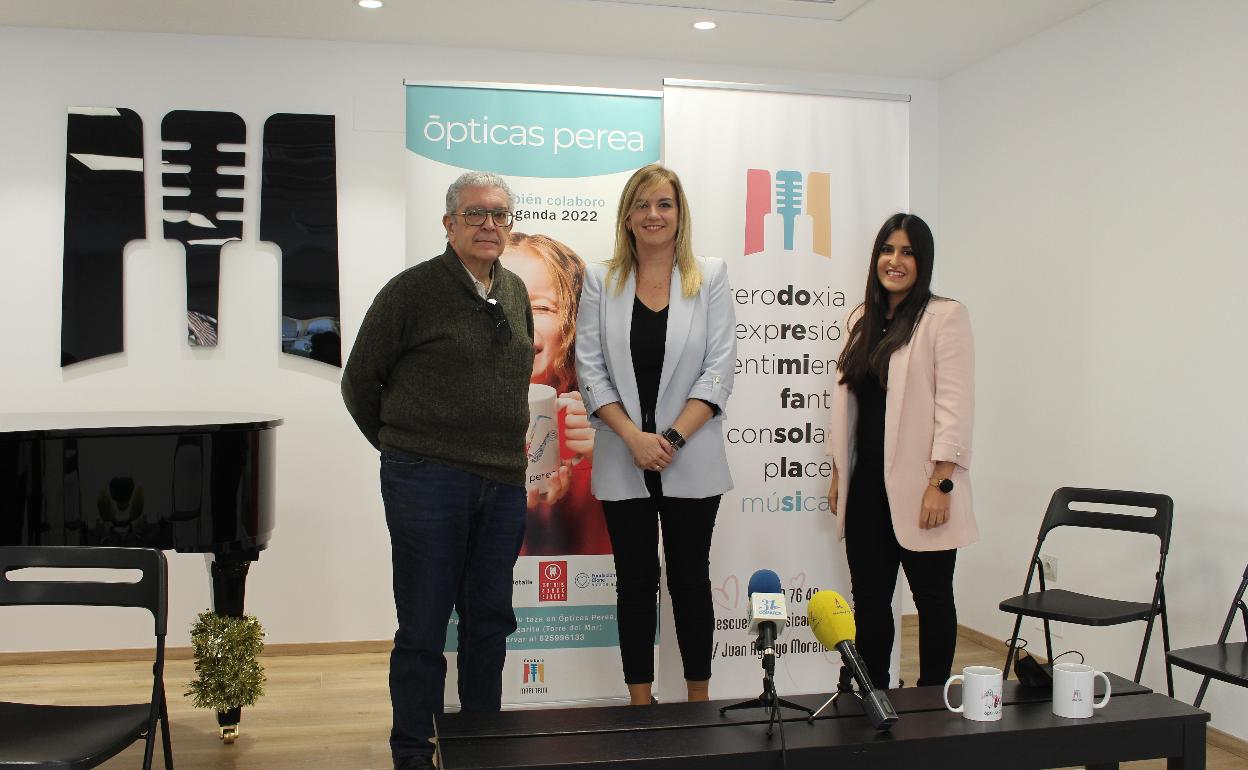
[
  {"x": 944, "y": 485},
  {"x": 674, "y": 438}
]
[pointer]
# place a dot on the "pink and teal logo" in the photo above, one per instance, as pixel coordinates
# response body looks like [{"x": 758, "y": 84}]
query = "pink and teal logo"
[
  {"x": 791, "y": 195},
  {"x": 534, "y": 671}
]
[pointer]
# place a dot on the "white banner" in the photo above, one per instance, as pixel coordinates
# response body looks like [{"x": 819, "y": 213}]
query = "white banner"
[
  {"x": 790, "y": 189},
  {"x": 566, "y": 155}
]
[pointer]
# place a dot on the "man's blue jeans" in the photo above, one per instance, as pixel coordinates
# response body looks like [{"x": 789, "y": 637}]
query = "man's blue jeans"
[{"x": 454, "y": 539}]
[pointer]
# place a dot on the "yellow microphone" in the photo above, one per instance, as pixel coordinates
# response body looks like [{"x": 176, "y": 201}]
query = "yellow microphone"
[
  {"x": 831, "y": 619},
  {"x": 832, "y": 622}
]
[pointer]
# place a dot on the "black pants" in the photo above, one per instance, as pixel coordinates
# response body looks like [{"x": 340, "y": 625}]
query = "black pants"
[
  {"x": 687, "y": 527},
  {"x": 874, "y": 555}
]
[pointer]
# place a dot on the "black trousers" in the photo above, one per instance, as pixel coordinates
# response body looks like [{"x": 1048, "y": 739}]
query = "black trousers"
[
  {"x": 634, "y": 529},
  {"x": 874, "y": 556}
]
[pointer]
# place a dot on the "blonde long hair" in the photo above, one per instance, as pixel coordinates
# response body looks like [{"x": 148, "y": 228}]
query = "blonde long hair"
[{"x": 624, "y": 260}]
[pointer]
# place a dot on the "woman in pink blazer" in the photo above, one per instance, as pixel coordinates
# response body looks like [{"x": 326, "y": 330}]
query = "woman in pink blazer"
[{"x": 900, "y": 440}]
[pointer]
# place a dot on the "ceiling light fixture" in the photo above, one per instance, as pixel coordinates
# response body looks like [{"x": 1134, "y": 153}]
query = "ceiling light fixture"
[
  {"x": 369, "y": 3},
  {"x": 704, "y": 26}
]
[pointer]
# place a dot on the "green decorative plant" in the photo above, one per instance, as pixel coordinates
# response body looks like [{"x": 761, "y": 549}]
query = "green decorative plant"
[{"x": 227, "y": 665}]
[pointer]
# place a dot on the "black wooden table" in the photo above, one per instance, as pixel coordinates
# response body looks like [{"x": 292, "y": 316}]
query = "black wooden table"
[{"x": 1137, "y": 724}]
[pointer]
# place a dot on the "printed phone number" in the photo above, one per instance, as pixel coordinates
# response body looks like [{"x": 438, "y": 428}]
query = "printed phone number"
[{"x": 561, "y": 637}]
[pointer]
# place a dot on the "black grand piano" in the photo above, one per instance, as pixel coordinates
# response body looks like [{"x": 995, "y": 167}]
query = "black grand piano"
[{"x": 192, "y": 482}]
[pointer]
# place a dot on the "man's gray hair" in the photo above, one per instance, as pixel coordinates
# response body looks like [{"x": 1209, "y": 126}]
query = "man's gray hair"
[{"x": 475, "y": 179}]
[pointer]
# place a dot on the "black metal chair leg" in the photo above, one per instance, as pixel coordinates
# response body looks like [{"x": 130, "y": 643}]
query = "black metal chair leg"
[
  {"x": 1165, "y": 643},
  {"x": 167, "y": 745},
  {"x": 1148, "y": 633},
  {"x": 1200, "y": 694},
  {"x": 149, "y": 746},
  {"x": 1009, "y": 656}
]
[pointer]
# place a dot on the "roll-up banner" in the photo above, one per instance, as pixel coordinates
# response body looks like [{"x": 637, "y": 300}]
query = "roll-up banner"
[
  {"x": 790, "y": 189},
  {"x": 566, "y": 154}
]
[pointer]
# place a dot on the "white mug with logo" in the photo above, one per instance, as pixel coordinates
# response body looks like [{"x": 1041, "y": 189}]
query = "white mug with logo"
[
  {"x": 542, "y": 439},
  {"x": 981, "y": 693},
  {"x": 1073, "y": 690}
]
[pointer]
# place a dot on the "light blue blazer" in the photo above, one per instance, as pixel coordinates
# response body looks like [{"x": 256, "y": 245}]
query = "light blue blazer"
[{"x": 698, "y": 361}]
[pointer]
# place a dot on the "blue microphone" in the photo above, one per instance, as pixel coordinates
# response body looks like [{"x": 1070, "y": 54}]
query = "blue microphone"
[
  {"x": 764, "y": 581},
  {"x": 768, "y": 614}
]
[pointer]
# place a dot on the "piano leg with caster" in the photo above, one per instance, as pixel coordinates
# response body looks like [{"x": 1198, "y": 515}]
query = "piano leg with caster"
[{"x": 229, "y": 584}]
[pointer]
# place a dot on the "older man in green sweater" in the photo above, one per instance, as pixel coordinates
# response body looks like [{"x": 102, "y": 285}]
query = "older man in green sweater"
[{"x": 438, "y": 382}]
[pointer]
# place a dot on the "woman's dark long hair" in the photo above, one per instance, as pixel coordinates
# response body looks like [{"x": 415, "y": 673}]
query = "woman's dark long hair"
[{"x": 868, "y": 349}]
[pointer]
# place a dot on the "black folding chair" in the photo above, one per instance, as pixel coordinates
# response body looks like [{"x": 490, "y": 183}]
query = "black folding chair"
[
  {"x": 1083, "y": 609},
  {"x": 75, "y": 737},
  {"x": 1222, "y": 661}
]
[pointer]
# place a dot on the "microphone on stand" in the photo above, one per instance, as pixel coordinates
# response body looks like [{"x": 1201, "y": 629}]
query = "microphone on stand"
[
  {"x": 832, "y": 622},
  {"x": 767, "y": 614}
]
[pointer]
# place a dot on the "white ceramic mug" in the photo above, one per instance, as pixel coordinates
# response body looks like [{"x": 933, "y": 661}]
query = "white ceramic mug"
[
  {"x": 542, "y": 439},
  {"x": 1073, "y": 690},
  {"x": 981, "y": 693}
]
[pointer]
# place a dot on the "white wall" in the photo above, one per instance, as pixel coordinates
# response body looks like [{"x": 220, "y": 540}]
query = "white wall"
[
  {"x": 326, "y": 575},
  {"x": 1092, "y": 218}
]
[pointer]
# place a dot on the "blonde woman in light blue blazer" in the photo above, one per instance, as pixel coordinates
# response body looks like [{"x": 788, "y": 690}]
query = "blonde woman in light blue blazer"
[{"x": 655, "y": 352}]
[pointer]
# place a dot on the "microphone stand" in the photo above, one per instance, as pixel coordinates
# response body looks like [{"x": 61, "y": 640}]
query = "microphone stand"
[
  {"x": 768, "y": 699},
  {"x": 845, "y": 686},
  {"x": 831, "y": 701}
]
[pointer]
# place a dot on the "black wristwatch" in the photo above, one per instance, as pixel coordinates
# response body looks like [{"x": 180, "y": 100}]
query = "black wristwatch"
[
  {"x": 674, "y": 438},
  {"x": 944, "y": 485}
]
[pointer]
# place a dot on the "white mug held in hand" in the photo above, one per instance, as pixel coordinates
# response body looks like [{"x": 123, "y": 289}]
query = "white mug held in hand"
[
  {"x": 981, "y": 693},
  {"x": 542, "y": 441},
  {"x": 1073, "y": 690}
]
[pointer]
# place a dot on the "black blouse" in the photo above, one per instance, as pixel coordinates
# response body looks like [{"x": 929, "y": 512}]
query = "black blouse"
[
  {"x": 869, "y": 433},
  {"x": 648, "y": 340}
]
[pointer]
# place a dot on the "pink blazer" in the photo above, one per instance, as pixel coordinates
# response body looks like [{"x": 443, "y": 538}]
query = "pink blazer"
[{"x": 929, "y": 414}]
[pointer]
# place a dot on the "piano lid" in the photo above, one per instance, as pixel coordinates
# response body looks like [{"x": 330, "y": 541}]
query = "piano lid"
[{"x": 191, "y": 481}]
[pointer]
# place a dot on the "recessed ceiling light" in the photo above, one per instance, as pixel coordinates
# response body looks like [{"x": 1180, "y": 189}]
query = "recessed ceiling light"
[
  {"x": 369, "y": 3},
  {"x": 704, "y": 25}
]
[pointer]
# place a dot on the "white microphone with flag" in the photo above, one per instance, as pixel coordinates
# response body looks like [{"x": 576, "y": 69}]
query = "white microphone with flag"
[{"x": 767, "y": 614}]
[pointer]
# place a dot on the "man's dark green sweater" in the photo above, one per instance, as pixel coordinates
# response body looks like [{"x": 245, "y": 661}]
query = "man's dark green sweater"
[{"x": 431, "y": 377}]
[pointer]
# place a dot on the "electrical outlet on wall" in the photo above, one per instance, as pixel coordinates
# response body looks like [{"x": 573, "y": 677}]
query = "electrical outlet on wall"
[{"x": 1048, "y": 565}]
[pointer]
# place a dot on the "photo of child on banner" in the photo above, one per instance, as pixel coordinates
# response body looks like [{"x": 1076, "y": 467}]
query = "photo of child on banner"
[{"x": 563, "y": 516}]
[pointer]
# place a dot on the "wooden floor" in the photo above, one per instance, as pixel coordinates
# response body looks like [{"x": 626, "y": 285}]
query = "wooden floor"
[{"x": 324, "y": 712}]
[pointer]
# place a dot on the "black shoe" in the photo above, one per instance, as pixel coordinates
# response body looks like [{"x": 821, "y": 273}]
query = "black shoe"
[{"x": 414, "y": 762}]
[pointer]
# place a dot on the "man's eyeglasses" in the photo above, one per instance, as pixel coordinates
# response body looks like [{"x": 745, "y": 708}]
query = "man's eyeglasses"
[
  {"x": 502, "y": 329},
  {"x": 476, "y": 217}
]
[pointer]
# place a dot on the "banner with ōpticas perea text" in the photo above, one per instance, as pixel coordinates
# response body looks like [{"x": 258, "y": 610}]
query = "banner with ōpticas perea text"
[
  {"x": 566, "y": 154},
  {"x": 790, "y": 189}
]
